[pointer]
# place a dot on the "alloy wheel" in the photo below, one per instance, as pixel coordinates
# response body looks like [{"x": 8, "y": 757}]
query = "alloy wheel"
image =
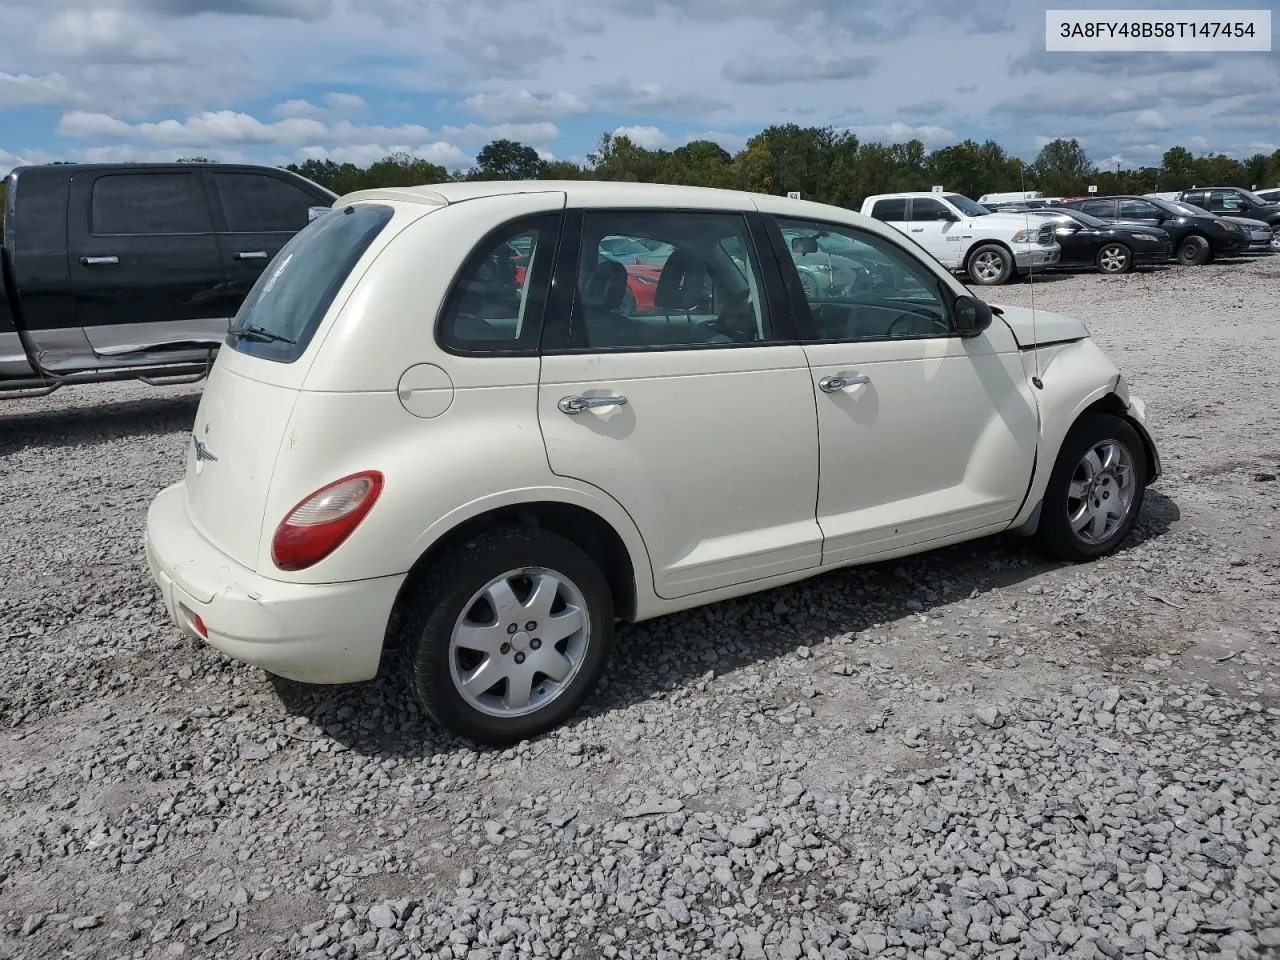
[
  {"x": 1100, "y": 495},
  {"x": 519, "y": 642}
]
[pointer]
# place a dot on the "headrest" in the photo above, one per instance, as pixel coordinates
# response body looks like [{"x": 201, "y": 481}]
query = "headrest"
[
  {"x": 683, "y": 282},
  {"x": 606, "y": 286}
]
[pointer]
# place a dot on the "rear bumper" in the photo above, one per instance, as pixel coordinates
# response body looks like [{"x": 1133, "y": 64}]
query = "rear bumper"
[{"x": 312, "y": 633}]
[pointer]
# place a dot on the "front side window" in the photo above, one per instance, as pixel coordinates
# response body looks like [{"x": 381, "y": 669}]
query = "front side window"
[
  {"x": 1220, "y": 201},
  {"x": 967, "y": 206},
  {"x": 259, "y": 203},
  {"x": 1139, "y": 210},
  {"x": 497, "y": 300},
  {"x": 927, "y": 209},
  {"x": 870, "y": 290},
  {"x": 284, "y": 309},
  {"x": 149, "y": 204},
  {"x": 698, "y": 286}
]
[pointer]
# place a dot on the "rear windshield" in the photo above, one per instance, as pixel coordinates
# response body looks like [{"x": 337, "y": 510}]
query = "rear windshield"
[{"x": 281, "y": 313}]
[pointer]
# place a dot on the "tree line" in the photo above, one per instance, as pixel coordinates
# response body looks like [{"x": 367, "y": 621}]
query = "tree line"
[{"x": 823, "y": 164}]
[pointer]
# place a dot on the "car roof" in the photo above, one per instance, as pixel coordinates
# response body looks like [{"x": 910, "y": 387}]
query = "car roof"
[
  {"x": 914, "y": 193},
  {"x": 609, "y": 191}
]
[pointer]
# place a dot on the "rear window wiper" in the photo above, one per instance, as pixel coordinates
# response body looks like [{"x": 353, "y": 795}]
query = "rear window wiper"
[{"x": 258, "y": 334}]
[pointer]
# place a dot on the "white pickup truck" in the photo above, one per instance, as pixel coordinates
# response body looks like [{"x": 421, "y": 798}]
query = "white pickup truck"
[{"x": 966, "y": 236}]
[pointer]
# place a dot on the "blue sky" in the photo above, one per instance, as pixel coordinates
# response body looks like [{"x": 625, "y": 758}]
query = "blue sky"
[{"x": 284, "y": 80}]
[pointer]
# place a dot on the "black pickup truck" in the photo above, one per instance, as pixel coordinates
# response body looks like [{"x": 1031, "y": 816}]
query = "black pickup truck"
[
  {"x": 1237, "y": 202},
  {"x": 133, "y": 271}
]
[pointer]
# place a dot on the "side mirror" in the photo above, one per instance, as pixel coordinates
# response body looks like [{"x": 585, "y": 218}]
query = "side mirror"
[{"x": 972, "y": 316}]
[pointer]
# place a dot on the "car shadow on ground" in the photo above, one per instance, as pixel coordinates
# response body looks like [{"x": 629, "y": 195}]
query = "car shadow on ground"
[
  {"x": 74, "y": 426},
  {"x": 382, "y": 718}
]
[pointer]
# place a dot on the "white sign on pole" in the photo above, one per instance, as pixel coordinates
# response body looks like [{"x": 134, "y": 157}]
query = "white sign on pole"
[
  {"x": 793, "y": 194},
  {"x": 1093, "y": 189},
  {"x": 937, "y": 188}
]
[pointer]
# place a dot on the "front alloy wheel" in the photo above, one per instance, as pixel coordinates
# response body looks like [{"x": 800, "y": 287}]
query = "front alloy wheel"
[
  {"x": 1114, "y": 258},
  {"x": 1095, "y": 491}
]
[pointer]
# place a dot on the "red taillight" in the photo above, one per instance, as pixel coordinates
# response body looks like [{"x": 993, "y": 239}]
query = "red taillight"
[{"x": 317, "y": 526}]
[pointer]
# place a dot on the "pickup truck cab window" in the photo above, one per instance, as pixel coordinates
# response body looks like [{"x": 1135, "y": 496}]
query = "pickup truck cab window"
[
  {"x": 928, "y": 210},
  {"x": 148, "y": 204},
  {"x": 890, "y": 211},
  {"x": 260, "y": 203}
]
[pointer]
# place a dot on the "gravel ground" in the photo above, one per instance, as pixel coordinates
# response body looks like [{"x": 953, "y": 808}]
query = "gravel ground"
[{"x": 968, "y": 753}]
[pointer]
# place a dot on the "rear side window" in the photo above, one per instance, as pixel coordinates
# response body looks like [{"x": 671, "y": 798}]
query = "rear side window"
[
  {"x": 890, "y": 210},
  {"x": 497, "y": 299},
  {"x": 281, "y": 313},
  {"x": 149, "y": 204},
  {"x": 258, "y": 203}
]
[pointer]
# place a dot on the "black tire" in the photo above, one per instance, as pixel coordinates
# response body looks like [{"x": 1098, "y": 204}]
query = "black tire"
[
  {"x": 1114, "y": 258},
  {"x": 1194, "y": 251},
  {"x": 440, "y": 603},
  {"x": 993, "y": 254},
  {"x": 1055, "y": 533}
]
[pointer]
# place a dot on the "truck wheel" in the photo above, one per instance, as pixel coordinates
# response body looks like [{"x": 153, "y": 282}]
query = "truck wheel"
[
  {"x": 1095, "y": 491},
  {"x": 1275, "y": 240},
  {"x": 1115, "y": 258},
  {"x": 1194, "y": 251},
  {"x": 509, "y": 634},
  {"x": 990, "y": 265}
]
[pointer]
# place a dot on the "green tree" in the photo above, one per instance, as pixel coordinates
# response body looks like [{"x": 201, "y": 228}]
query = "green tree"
[
  {"x": 1177, "y": 169},
  {"x": 508, "y": 160},
  {"x": 817, "y": 161},
  {"x": 1062, "y": 168},
  {"x": 617, "y": 157}
]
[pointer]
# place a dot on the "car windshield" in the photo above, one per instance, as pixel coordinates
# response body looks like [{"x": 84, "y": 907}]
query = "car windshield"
[
  {"x": 1088, "y": 219},
  {"x": 283, "y": 310},
  {"x": 1254, "y": 198},
  {"x": 1177, "y": 206},
  {"x": 965, "y": 205}
]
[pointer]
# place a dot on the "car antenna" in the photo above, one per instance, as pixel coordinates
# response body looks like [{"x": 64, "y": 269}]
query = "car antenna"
[{"x": 1031, "y": 279}]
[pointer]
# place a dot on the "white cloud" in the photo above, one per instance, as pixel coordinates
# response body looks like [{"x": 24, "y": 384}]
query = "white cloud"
[
  {"x": 1153, "y": 119},
  {"x": 336, "y": 104},
  {"x": 10, "y": 160},
  {"x": 223, "y": 126},
  {"x": 532, "y": 134},
  {"x": 363, "y": 154},
  {"x": 751, "y": 68},
  {"x": 104, "y": 36},
  {"x": 27, "y": 90},
  {"x": 521, "y": 105},
  {"x": 930, "y": 134},
  {"x": 1198, "y": 143}
]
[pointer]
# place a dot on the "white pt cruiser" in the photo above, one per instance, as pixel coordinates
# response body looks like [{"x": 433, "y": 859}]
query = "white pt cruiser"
[{"x": 439, "y": 423}]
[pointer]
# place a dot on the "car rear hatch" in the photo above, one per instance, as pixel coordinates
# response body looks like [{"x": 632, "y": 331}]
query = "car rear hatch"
[{"x": 245, "y": 409}]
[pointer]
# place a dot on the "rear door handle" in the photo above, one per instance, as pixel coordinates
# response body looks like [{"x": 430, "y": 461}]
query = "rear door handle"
[
  {"x": 574, "y": 405},
  {"x": 251, "y": 255},
  {"x": 98, "y": 261},
  {"x": 834, "y": 384}
]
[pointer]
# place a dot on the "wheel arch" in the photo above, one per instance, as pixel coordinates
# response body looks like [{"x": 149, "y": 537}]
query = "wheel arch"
[
  {"x": 979, "y": 244},
  {"x": 1105, "y": 401},
  {"x": 582, "y": 526}
]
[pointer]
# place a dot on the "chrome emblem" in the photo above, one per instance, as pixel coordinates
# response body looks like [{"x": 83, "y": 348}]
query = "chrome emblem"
[{"x": 202, "y": 452}]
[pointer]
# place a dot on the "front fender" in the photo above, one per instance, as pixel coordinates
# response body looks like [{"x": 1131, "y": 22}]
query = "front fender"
[{"x": 1076, "y": 376}]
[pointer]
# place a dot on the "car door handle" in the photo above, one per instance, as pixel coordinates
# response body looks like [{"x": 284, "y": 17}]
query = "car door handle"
[
  {"x": 834, "y": 384},
  {"x": 251, "y": 255},
  {"x": 575, "y": 405},
  {"x": 917, "y": 229},
  {"x": 98, "y": 261}
]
